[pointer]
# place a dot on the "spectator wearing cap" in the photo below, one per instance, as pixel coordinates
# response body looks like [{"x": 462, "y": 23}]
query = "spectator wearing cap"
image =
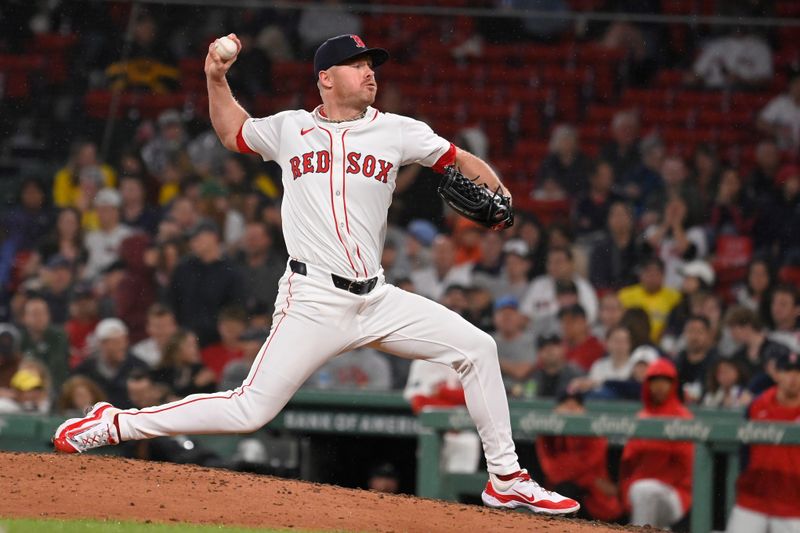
[
  {"x": 231, "y": 324},
  {"x": 57, "y": 280},
  {"x": 554, "y": 372},
  {"x": 785, "y": 310},
  {"x": 755, "y": 348},
  {"x": 591, "y": 208},
  {"x": 135, "y": 212},
  {"x": 203, "y": 283},
  {"x": 113, "y": 363},
  {"x": 768, "y": 488},
  {"x": 29, "y": 390},
  {"x": 261, "y": 266},
  {"x": 774, "y": 232},
  {"x": 443, "y": 272},
  {"x": 514, "y": 275},
  {"x": 44, "y": 341},
  {"x": 781, "y": 117},
  {"x": 614, "y": 365},
  {"x": 515, "y": 344},
  {"x": 583, "y": 348},
  {"x": 66, "y": 182},
  {"x": 651, "y": 295},
  {"x": 83, "y": 319},
  {"x": 615, "y": 256},
  {"x": 168, "y": 147},
  {"x": 578, "y": 466},
  {"x": 250, "y": 342},
  {"x": 540, "y": 301},
  {"x": 10, "y": 356},
  {"x": 419, "y": 238},
  {"x": 431, "y": 385},
  {"x": 136, "y": 290},
  {"x": 103, "y": 244},
  {"x": 693, "y": 363},
  {"x": 182, "y": 369},
  {"x": 698, "y": 278},
  {"x": 655, "y": 477}
]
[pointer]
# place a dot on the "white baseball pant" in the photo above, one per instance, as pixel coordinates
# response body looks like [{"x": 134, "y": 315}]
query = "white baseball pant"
[
  {"x": 654, "y": 503},
  {"x": 315, "y": 321},
  {"x": 746, "y": 521}
]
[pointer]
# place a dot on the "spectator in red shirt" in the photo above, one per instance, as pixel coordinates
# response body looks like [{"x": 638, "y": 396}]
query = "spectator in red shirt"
[
  {"x": 656, "y": 476},
  {"x": 83, "y": 318},
  {"x": 577, "y": 466},
  {"x": 231, "y": 324},
  {"x": 583, "y": 348},
  {"x": 768, "y": 490}
]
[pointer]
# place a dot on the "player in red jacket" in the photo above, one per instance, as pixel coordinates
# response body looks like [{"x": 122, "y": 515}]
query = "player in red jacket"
[
  {"x": 768, "y": 490},
  {"x": 577, "y": 466},
  {"x": 656, "y": 476}
]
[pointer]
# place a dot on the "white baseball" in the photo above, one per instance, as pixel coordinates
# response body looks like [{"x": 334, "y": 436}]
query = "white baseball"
[{"x": 226, "y": 48}]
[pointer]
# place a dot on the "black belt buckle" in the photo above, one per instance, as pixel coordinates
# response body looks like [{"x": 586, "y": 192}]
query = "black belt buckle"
[
  {"x": 356, "y": 287},
  {"x": 349, "y": 285}
]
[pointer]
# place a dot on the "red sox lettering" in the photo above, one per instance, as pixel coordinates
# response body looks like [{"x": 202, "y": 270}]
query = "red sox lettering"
[{"x": 319, "y": 163}]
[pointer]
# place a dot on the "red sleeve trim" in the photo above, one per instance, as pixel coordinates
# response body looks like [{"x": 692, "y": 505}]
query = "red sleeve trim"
[
  {"x": 447, "y": 159},
  {"x": 241, "y": 145}
]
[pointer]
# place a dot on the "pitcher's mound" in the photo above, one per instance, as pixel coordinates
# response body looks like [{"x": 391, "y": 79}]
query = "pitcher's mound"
[{"x": 71, "y": 486}]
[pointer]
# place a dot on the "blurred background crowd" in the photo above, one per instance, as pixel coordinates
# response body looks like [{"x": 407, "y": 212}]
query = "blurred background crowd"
[{"x": 654, "y": 169}]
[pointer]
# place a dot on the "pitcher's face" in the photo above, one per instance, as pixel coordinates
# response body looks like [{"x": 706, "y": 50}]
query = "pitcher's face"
[{"x": 354, "y": 82}]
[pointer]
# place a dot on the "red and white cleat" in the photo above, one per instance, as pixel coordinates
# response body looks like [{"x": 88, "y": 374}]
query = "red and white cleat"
[
  {"x": 522, "y": 491},
  {"x": 96, "y": 429}
]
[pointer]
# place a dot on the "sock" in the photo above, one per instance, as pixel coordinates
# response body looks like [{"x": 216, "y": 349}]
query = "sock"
[{"x": 508, "y": 477}]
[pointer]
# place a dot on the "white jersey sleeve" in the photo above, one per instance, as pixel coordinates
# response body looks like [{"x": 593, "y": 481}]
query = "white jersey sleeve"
[
  {"x": 421, "y": 145},
  {"x": 262, "y": 135}
]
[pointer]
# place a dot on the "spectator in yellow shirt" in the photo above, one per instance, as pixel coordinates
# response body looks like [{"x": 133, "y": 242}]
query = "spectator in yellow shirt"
[
  {"x": 66, "y": 182},
  {"x": 651, "y": 295}
]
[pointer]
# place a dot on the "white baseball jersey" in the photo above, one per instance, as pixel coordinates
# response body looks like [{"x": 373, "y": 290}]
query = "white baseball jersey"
[{"x": 338, "y": 180}]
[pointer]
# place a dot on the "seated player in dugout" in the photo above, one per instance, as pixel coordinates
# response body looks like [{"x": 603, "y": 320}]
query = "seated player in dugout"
[
  {"x": 578, "y": 466},
  {"x": 339, "y": 164},
  {"x": 656, "y": 476}
]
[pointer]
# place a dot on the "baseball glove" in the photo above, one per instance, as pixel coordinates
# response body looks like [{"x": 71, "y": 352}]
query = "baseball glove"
[{"x": 475, "y": 202}]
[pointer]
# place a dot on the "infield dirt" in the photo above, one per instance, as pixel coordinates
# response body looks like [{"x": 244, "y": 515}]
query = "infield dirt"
[{"x": 69, "y": 486}]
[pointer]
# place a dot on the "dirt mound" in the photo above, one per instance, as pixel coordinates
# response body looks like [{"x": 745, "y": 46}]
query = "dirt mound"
[{"x": 68, "y": 486}]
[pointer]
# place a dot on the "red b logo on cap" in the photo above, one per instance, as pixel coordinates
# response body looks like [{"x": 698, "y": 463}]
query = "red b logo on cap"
[{"x": 359, "y": 42}]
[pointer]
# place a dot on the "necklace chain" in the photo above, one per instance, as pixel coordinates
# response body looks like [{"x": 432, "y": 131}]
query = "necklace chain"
[{"x": 357, "y": 117}]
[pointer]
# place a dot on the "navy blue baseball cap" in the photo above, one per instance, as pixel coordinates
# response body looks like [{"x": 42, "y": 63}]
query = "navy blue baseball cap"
[{"x": 339, "y": 49}]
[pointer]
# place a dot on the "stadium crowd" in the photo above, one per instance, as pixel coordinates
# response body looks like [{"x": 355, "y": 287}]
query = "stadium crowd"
[{"x": 151, "y": 274}]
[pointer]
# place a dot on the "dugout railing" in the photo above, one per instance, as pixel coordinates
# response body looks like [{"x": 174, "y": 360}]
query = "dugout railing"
[
  {"x": 331, "y": 412},
  {"x": 711, "y": 432}
]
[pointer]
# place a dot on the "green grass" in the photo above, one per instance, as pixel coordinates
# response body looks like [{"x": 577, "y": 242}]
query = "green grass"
[{"x": 26, "y": 525}]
